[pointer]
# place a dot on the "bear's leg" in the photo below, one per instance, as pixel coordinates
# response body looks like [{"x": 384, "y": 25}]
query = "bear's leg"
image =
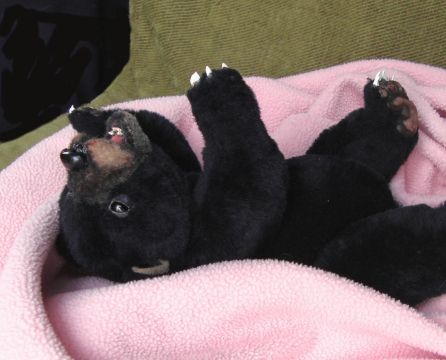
[
  {"x": 240, "y": 197},
  {"x": 379, "y": 136},
  {"x": 332, "y": 140},
  {"x": 400, "y": 252}
]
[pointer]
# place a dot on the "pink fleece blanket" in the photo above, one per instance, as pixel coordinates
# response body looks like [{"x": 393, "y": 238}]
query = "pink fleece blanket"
[{"x": 233, "y": 310}]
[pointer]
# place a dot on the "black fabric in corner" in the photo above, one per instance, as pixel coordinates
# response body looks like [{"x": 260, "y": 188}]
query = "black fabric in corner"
[{"x": 54, "y": 54}]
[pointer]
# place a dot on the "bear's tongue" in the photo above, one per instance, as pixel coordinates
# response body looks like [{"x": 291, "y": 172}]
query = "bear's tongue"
[
  {"x": 118, "y": 139},
  {"x": 117, "y": 135}
]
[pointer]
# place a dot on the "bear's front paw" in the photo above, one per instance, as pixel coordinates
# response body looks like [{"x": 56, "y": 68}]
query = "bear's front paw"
[
  {"x": 220, "y": 93},
  {"x": 214, "y": 77},
  {"x": 215, "y": 85},
  {"x": 195, "y": 78}
]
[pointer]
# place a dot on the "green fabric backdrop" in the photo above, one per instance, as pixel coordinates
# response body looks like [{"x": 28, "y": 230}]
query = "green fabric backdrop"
[{"x": 171, "y": 39}]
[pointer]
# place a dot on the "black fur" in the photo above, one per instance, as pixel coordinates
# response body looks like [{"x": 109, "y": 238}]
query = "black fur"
[
  {"x": 248, "y": 201},
  {"x": 401, "y": 252},
  {"x": 344, "y": 177}
]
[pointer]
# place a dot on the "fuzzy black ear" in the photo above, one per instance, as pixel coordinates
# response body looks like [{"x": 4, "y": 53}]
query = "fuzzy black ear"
[
  {"x": 89, "y": 121},
  {"x": 165, "y": 134}
]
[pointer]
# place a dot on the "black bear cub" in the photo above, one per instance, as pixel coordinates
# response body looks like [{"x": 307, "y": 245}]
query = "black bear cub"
[{"x": 137, "y": 204}]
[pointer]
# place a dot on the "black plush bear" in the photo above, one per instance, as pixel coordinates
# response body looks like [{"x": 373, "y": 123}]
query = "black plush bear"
[{"x": 137, "y": 203}]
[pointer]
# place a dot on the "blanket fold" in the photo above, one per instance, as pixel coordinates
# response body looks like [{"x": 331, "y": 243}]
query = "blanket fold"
[{"x": 232, "y": 310}]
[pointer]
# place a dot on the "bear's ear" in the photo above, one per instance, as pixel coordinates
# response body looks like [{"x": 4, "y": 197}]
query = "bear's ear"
[
  {"x": 166, "y": 135},
  {"x": 89, "y": 121}
]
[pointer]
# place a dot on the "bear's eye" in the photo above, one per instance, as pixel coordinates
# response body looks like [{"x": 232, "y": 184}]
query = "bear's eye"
[{"x": 119, "y": 207}]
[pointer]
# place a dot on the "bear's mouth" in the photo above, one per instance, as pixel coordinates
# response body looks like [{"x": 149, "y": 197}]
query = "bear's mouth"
[
  {"x": 116, "y": 135},
  {"x": 119, "y": 129},
  {"x": 160, "y": 268}
]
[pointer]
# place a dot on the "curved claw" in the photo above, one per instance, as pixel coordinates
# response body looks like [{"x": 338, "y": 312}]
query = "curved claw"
[
  {"x": 381, "y": 75},
  {"x": 71, "y": 109},
  {"x": 223, "y": 65},
  {"x": 195, "y": 78},
  {"x": 208, "y": 71}
]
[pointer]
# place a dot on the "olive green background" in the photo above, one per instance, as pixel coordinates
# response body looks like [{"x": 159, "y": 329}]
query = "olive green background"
[{"x": 171, "y": 39}]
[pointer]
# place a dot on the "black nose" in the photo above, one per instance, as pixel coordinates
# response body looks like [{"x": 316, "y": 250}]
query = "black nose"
[{"x": 73, "y": 160}]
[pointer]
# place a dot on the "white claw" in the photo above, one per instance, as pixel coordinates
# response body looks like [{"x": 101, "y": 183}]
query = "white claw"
[
  {"x": 195, "y": 78},
  {"x": 208, "y": 71},
  {"x": 71, "y": 109},
  {"x": 378, "y": 77},
  {"x": 393, "y": 77},
  {"x": 223, "y": 65},
  {"x": 376, "y": 80}
]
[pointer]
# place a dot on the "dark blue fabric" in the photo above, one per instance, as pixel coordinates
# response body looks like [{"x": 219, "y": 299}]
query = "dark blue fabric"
[{"x": 55, "y": 54}]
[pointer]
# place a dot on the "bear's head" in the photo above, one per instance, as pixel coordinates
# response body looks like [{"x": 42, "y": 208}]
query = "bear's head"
[{"x": 124, "y": 212}]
